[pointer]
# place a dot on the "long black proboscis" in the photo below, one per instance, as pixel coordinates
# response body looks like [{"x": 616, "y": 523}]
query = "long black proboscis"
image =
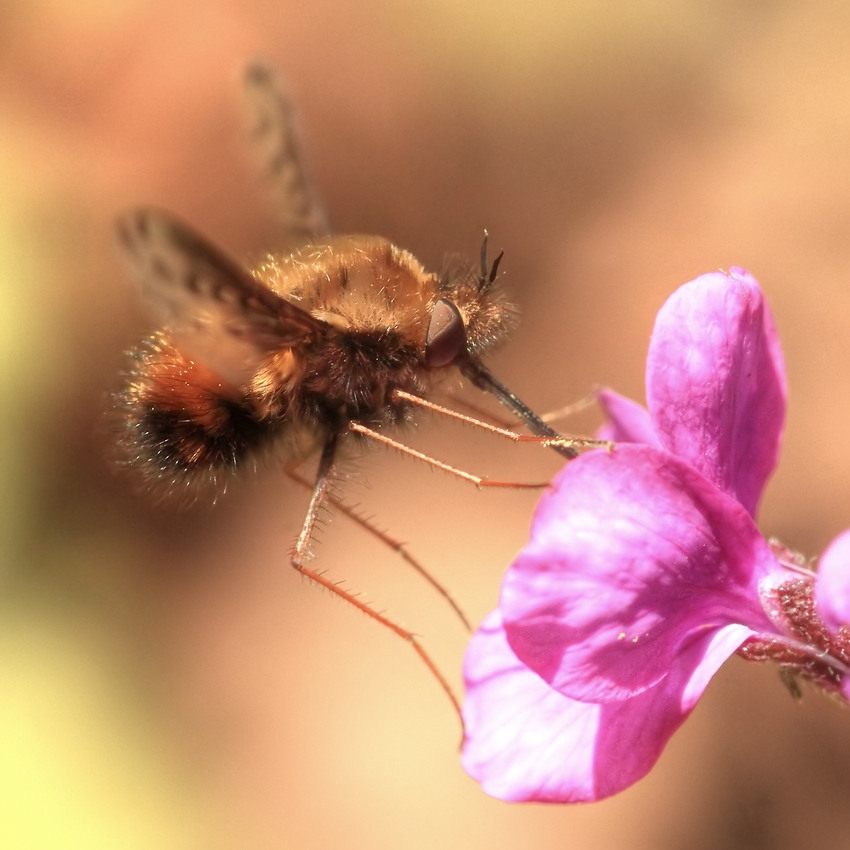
[{"x": 475, "y": 370}]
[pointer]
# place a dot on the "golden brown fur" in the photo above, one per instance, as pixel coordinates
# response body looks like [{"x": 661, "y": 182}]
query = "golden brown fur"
[{"x": 372, "y": 301}]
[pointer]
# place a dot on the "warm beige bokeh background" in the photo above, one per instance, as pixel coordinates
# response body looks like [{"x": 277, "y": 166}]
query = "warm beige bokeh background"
[{"x": 165, "y": 680}]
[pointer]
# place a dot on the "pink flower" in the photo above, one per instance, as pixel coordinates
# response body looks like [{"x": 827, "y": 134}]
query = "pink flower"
[
  {"x": 715, "y": 385},
  {"x": 645, "y": 570},
  {"x": 832, "y": 602}
]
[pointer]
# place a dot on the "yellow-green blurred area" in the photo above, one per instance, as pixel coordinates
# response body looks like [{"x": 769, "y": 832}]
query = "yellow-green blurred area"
[{"x": 166, "y": 681}]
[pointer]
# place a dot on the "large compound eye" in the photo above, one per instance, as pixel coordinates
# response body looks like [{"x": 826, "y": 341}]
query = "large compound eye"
[{"x": 446, "y": 335}]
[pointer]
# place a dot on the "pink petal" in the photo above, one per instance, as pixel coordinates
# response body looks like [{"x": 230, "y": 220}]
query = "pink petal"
[
  {"x": 832, "y": 588},
  {"x": 716, "y": 382},
  {"x": 632, "y": 554},
  {"x": 633, "y": 733},
  {"x": 628, "y": 422},
  {"x": 525, "y": 741}
]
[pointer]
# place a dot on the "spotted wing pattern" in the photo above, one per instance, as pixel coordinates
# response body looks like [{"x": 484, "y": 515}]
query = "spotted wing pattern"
[
  {"x": 274, "y": 132},
  {"x": 214, "y": 310}
]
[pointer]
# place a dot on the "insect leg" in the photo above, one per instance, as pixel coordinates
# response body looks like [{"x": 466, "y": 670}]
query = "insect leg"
[
  {"x": 477, "y": 480},
  {"x": 394, "y": 544},
  {"x": 321, "y": 495},
  {"x": 480, "y": 412},
  {"x": 570, "y": 409},
  {"x": 545, "y": 440}
]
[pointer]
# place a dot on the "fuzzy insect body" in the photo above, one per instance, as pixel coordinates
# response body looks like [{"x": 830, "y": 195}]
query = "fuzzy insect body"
[
  {"x": 299, "y": 347},
  {"x": 332, "y": 340}
]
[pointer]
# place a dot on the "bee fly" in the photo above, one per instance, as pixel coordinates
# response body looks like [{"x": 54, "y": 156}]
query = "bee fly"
[{"x": 336, "y": 340}]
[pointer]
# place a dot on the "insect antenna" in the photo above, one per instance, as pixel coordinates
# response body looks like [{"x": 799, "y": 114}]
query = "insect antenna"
[
  {"x": 475, "y": 370},
  {"x": 485, "y": 279}
]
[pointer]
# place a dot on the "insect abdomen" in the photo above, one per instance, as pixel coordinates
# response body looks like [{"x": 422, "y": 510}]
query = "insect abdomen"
[{"x": 181, "y": 423}]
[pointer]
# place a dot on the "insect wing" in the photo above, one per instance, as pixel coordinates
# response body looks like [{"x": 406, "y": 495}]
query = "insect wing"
[
  {"x": 214, "y": 310},
  {"x": 274, "y": 132}
]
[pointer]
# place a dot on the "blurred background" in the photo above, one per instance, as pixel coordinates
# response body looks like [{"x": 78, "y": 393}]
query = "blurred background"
[{"x": 167, "y": 680}]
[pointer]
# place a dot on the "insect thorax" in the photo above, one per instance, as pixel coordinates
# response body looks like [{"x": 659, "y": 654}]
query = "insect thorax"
[
  {"x": 356, "y": 283},
  {"x": 376, "y": 301}
]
